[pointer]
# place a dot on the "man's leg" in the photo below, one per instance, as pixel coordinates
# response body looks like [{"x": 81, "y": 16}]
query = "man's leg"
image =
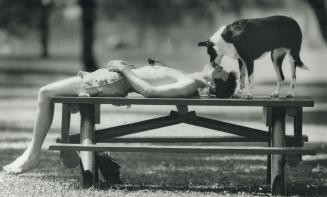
[{"x": 30, "y": 158}]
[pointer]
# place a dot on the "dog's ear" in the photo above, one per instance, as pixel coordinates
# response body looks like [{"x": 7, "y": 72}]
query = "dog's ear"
[
  {"x": 210, "y": 50},
  {"x": 232, "y": 32},
  {"x": 205, "y": 44}
]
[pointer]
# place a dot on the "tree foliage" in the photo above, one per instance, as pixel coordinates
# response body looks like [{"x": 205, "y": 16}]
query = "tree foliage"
[
  {"x": 320, "y": 9},
  {"x": 17, "y": 16},
  {"x": 88, "y": 23},
  {"x": 167, "y": 12},
  {"x": 156, "y": 12}
]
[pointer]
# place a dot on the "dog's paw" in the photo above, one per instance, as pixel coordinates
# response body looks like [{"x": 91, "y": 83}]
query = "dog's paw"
[
  {"x": 236, "y": 96},
  {"x": 242, "y": 86},
  {"x": 84, "y": 94},
  {"x": 274, "y": 94},
  {"x": 249, "y": 95},
  {"x": 290, "y": 95},
  {"x": 239, "y": 93}
]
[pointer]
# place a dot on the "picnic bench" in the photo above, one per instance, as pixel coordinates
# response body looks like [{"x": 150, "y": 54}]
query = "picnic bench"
[{"x": 279, "y": 145}]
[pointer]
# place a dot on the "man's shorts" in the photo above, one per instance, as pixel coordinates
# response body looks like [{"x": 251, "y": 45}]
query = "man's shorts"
[{"x": 103, "y": 82}]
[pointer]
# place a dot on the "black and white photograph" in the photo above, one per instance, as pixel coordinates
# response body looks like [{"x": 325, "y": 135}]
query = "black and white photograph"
[{"x": 181, "y": 98}]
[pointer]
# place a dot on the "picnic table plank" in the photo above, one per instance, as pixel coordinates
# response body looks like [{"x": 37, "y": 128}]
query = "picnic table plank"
[
  {"x": 99, "y": 147},
  {"x": 300, "y": 101}
]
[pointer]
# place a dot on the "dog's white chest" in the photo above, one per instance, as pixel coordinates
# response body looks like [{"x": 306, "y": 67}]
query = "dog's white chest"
[
  {"x": 227, "y": 49},
  {"x": 222, "y": 47},
  {"x": 231, "y": 51}
]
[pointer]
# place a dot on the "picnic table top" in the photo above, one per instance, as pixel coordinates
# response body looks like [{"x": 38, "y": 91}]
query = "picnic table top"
[{"x": 299, "y": 101}]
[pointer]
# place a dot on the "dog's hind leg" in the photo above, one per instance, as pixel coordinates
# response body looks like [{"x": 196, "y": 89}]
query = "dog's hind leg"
[
  {"x": 290, "y": 93},
  {"x": 295, "y": 61},
  {"x": 277, "y": 57}
]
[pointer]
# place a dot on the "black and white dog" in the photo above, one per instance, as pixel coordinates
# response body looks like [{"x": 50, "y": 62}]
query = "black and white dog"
[{"x": 248, "y": 39}]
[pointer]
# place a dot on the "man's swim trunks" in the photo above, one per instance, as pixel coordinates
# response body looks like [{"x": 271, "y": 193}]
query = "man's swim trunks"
[{"x": 103, "y": 82}]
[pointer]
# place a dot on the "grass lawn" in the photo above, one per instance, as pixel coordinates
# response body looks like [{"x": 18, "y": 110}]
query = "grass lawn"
[{"x": 146, "y": 174}]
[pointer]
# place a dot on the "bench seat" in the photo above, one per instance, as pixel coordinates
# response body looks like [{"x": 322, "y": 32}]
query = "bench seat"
[
  {"x": 98, "y": 147},
  {"x": 195, "y": 139}
]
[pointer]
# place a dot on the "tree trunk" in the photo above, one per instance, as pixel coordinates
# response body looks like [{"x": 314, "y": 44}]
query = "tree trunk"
[
  {"x": 88, "y": 22},
  {"x": 44, "y": 27},
  {"x": 320, "y": 9}
]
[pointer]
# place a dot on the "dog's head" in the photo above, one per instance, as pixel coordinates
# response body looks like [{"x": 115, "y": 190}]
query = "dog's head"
[
  {"x": 217, "y": 43},
  {"x": 232, "y": 33},
  {"x": 210, "y": 50}
]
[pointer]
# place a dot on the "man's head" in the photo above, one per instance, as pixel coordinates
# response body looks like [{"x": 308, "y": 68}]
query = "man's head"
[
  {"x": 224, "y": 89},
  {"x": 223, "y": 84}
]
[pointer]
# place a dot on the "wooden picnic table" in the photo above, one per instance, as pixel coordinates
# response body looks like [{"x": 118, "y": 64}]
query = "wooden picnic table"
[{"x": 90, "y": 141}]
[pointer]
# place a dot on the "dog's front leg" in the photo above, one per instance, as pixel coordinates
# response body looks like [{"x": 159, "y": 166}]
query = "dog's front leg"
[
  {"x": 242, "y": 68},
  {"x": 249, "y": 67},
  {"x": 249, "y": 95}
]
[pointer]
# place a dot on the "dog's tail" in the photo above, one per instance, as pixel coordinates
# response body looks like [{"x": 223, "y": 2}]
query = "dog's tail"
[
  {"x": 295, "y": 53},
  {"x": 305, "y": 67},
  {"x": 298, "y": 63}
]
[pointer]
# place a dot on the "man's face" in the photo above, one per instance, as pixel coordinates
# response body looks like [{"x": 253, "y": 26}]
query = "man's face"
[{"x": 210, "y": 73}]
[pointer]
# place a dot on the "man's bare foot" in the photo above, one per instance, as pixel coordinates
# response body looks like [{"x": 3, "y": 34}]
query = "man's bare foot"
[{"x": 23, "y": 163}]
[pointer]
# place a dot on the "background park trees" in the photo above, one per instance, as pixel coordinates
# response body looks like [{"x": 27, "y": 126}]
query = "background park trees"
[{"x": 21, "y": 18}]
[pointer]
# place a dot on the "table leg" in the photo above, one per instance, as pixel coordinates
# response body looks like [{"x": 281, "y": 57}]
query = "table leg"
[
  {"x": 296, "y": 113},
  {"x": 65, "y": 124},
  {"x": 69, "y": 158},
  {"x": 298, "y": 119},
  {"x": 267, "y": 118},
  {"x": 278, "y": 186},
  {"x": 88, "y": 177},
  {"x": 268, "y": 177}
]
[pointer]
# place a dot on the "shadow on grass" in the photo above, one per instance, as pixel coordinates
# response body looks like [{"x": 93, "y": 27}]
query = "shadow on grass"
[
  {"x": 180, "y": 173},
  {"x": 171, "y": 188},
  {"x": 292, "y": 190}
]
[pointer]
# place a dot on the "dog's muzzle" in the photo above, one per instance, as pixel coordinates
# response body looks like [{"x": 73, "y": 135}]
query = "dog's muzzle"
[{"x": 213, "y": 64}]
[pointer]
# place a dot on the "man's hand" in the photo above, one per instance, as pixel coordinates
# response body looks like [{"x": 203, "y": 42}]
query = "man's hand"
[{"x": 118, "y": 65}]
